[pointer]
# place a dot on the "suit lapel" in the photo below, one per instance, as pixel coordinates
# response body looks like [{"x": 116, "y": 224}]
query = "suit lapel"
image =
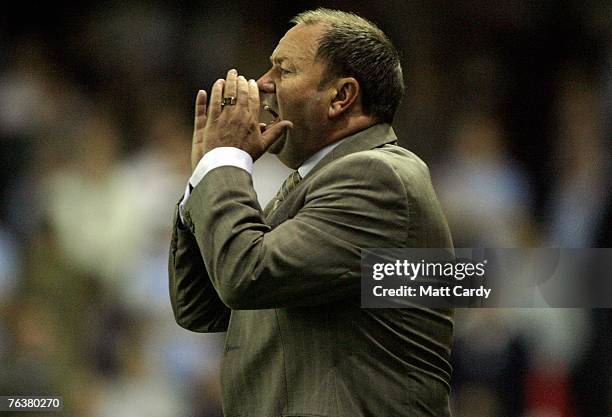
[{"x": 373, "y": 137}]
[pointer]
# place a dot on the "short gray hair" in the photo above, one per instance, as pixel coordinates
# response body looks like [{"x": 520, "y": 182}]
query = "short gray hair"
[{"x": 355, "y": 47}]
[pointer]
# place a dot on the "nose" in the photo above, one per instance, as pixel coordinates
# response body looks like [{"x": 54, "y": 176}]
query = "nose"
[{"x": 266, "y": 84}]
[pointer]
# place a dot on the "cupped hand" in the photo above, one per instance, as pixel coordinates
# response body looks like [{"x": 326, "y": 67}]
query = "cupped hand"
[{"x": 234, "y": 124}]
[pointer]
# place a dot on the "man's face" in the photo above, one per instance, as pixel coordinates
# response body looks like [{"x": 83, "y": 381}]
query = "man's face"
[{"x": 291, "y": 89}]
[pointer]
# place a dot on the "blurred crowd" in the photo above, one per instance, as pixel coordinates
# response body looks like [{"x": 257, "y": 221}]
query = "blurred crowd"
[{"x": 509, "y": 102}]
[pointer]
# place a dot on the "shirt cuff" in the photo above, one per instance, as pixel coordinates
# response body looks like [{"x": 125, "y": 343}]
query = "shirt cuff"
[{"x": 218, "y": 157}]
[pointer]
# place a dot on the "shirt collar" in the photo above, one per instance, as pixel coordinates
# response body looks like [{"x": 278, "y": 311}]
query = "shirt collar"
[{"x": 310, "y": 163}]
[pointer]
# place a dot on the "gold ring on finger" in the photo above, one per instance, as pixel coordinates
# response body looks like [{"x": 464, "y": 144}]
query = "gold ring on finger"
[{"x": 228, "y": 101}]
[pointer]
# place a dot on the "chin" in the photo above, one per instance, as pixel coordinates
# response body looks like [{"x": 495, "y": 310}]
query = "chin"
[
  {"x": 285, "y": 151},
  {"x": 278, "y": 145}
]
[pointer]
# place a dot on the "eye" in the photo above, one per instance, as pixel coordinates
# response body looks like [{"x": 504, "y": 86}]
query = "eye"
[{"x": 284, "y": 71}]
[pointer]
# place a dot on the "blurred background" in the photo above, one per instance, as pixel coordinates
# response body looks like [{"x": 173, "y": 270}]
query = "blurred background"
[{"x": 509, "y": 102}]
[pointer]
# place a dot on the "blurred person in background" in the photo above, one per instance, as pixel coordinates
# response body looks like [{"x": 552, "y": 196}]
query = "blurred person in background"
[
  {"x": 284, "y": 282},
  {"x": 582, "y": 159},
  {"x": 479, "y": 176},
  {"x": 88, "y": 200},
  {"x": 40, "y": 109},
  {"x": 580, "y": 205}
]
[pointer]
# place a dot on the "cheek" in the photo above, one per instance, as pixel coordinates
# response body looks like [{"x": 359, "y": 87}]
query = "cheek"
[
  {"x": 317, "y": 108},
  {"x": 291, "y": 104},
  {"x": 301, "y": 103}
]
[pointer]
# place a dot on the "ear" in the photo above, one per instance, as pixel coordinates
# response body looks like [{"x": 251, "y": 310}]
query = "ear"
[{"x": 346, "y": 91}]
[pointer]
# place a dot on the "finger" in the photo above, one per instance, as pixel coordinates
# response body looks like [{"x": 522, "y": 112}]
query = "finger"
[
  {"x": 273, "y": 132},
  {"x": 200, "y": 110},
  {"x": 230, "y": 83},
  {"x": 254, "y": 99},
  {"x": 214, "y": 109},
  {"x": 243, "y": 92}
]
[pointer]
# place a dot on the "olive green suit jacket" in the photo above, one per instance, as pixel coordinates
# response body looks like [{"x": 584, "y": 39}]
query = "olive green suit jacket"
[{"x": 285, "y": 286}]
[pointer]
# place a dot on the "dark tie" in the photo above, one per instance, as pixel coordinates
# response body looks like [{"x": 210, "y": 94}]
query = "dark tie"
[{"x": 292, "y": 180}]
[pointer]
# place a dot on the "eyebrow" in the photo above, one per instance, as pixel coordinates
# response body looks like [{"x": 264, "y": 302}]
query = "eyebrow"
[{"x": 277, "y": 59}]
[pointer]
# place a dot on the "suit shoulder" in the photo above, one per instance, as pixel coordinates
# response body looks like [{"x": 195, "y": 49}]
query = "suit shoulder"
[{"x": 385, "y": 160}]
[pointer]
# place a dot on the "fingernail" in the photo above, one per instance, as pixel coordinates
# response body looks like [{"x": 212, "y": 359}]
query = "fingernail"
[
  {"x": 252, "y": 81},
  {"x": 241, "y": 78},
  {"x": 233, "y": 72}
]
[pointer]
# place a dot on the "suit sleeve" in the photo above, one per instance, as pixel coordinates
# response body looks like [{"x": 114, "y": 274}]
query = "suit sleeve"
[
  {"x": 312, "y": 258},
  {"x": 195, "y": 302}
]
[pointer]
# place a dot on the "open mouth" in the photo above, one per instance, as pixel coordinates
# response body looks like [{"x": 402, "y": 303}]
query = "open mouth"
[
  {"x": 271, "y": 111},
  {"x": 270, "y": 116}
]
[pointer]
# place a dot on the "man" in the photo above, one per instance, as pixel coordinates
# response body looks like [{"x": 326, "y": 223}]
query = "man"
[{"x": 284, "y": 282}]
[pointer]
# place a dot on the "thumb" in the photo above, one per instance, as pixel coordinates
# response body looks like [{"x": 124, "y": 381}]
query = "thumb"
[
  {"x": 200, "y": 117},
  {"x": 273, "y": 132},
  {"x": 200, "y": 110}
]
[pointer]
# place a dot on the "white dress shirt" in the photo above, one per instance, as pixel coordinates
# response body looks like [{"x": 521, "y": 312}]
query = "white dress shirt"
[{"x": 230, "y": 156}]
